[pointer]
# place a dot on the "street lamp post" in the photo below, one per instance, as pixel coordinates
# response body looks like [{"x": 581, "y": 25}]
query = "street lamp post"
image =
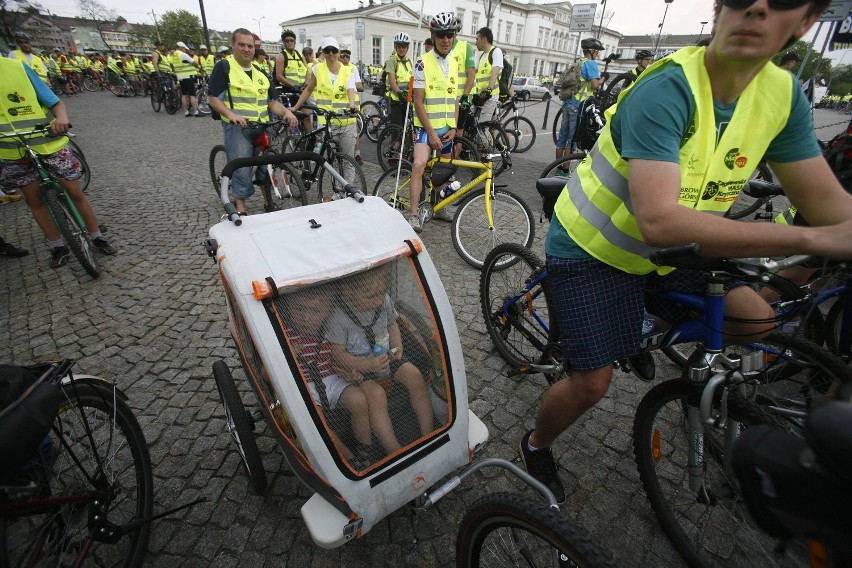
[
  {"x": 660, "y": 33},
  {"x": 701, "y": 33},
  {"x": 258, "y": 20},
  {"x": 600, "y": 25}
]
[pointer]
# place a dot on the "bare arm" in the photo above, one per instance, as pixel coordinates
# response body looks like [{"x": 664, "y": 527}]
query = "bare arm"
[
  {"x": 279, "y": 70},
  {"x": 60, "y": 125},
  {"x": 654, "y": 190},
  {"x": 309, "y": 88}
]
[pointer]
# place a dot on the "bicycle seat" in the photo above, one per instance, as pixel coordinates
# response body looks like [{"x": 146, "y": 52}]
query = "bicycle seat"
[
  {"x": 758, "y": 188},
  {"x": 549, "y": 189},
  {"x": 830, "y": 437}
]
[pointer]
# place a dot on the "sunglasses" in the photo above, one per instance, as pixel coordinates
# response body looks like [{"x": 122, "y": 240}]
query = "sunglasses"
[
  {"x": 444, "y": 35},
  {"x": 774, "y": 4},
  {"x": 345, "y": 56},
  {"x": 330, "y": 50}
]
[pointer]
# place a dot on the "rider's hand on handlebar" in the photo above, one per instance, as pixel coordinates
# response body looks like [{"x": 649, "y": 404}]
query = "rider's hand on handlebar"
[
  {"x": 290, "y": 118},
  {"x": 60, "y": 126}
]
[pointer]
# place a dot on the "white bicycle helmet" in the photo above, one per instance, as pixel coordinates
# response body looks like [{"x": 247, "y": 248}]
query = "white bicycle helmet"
[
  {"x": 444, "y": 21},
  {"x": 402, "y": 37}
]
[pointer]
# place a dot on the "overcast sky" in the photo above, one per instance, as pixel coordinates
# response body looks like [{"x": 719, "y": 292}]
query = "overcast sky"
[{"x": 629, "y": 17}]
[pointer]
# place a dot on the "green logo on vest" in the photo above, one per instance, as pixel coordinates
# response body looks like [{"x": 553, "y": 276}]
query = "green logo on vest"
[
  {"x": 711, "y": 190},
  {"x": 731, "y": 157},
  {"x": 15, "y": 97}
]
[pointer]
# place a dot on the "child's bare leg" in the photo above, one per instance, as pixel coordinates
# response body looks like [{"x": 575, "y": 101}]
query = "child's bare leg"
[
  {"x": 418, "y": 395},
  {"x": 354, "y": 400},
  {"x": 379, "y": 417},
  {"x": 341, "y": 447}
]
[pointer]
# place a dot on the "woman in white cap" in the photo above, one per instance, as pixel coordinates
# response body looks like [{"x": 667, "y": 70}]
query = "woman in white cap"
[
  {"x": 185, "y": 68},
  {"x": 333, "y": 85}
]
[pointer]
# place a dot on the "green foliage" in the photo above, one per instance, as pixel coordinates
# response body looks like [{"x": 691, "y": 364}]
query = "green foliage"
[
  {"x": 841, "y": 80},
  {"x": 814, "y": 63},
  {"x": 180, "y": 25}
]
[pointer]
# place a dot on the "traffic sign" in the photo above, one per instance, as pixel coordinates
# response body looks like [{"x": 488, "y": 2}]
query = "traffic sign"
[
  {"x": 583, "y": 17},
  {"x": 360, "y": 31},
  {"x": 837, "y": 11}
]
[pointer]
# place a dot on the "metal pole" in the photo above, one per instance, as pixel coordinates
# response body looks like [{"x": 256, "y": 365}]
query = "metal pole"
[
  {"x": 157, "y": 25},
  {"x": 701, "y": 33},
  {"x": 204, "y": 27},
  {"x": 600, "y": 25},
  {"x": 660, "y": 33}
]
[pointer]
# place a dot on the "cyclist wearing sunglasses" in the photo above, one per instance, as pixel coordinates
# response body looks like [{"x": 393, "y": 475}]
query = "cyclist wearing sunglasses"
[{"x": 671, "y": 159}]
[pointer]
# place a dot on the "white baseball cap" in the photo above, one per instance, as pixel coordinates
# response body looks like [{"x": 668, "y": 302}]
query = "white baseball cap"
[
  {"x": 181, "y": 44},
  {"x": 202, "y": 47},
  {"x": 329, "y": 42},
  {"x": 223, "y": 48}
]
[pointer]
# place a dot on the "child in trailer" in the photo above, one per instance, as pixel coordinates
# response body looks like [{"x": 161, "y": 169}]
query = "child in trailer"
[
  {"x": 366, "y": 339},
  {"x": 307, "y": 313}
]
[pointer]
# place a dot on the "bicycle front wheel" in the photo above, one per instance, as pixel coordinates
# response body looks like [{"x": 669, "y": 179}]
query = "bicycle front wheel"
[
  {"x": 563, "y": 167},
  {"x": 495, "y": 142},
  {"x": 523, "y": 132},
  {"x": 95, "y": 449},
  {"x": 172, "y": 101},
  {"x": 386, "y": 188},
  {"x": 709, "y": 526},
  {"x": 290, "y": 186},
  {"x": 90, "y": 84},
  {"x": 217, "y": 161},
  {"x": 507, "y": 529},
  {"x": 84, "y": 165},
  {"x": 389, "y": 145},
  {"x": 519, "y": 320},
  {"x": 557, "y": 123},
  {"x": 472, "y": 237},
  {"x": 349, "y": 169},
  {"x": 76, "y": 237},
  {"x": 157, "y": 99},
  {"x": 201, "y": 102}
]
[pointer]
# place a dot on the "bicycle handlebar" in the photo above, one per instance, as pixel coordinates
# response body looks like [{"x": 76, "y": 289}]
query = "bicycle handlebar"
[
  {"x": 688, "y": 256},
  {"x": 321, "y": 111},
  {"x": 37, "y": 129}
]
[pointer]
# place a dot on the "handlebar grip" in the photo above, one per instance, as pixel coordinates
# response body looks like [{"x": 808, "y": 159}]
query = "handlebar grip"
[
  {"x": 354, "y": 193},
  {"x": 232, "y": 214},
  {"x": 269, "y": 159},
  {"x": 662, "y": 257}
]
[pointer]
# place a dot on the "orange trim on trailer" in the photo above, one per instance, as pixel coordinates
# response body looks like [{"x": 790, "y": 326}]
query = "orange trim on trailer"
[{"x": 261, "y": 289}]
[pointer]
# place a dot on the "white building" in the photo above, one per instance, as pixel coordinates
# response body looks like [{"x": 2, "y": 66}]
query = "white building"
[{"x": 535, "y": 36}]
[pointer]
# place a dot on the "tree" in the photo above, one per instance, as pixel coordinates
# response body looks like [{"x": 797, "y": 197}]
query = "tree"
[
  {"x": 99, "y": 14},
  {"x": 841, "y": 80},
  {"x": 180, "y": 25},
  {"x": 815, "y": 64},
  {"x": 12, "y": 14},
  {"x": 490, "y": 7}
]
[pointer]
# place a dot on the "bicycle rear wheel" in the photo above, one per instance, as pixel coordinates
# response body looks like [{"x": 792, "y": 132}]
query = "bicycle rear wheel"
[
  {"x": 507, "y": 529},
  {"x": 563, "y": 167},
  {"x": 523, "y": 132},
  {"x": 386, "y": 188},
  {"x": 172, "y": 100},
  {"x": 709, "y": 526},
  {"x": 201, "y": 101},
  {"x": 520, "y": 323},
  {"x": 290, "y": 185},
  {"x": 473, "y": 239},
  {"x": 90, "y": 84},
  {"x": 349, "y": 169},
  {"x": 157, "y": 97},
  {"x": 557, "y": 123},
  {"x": 217, "y": 162},
  {"x": 495, "y": 141},
  {"x": 96, "y": 449},
  {"x": 388, "y": 147},
  {"x": 76, "y": 238}
]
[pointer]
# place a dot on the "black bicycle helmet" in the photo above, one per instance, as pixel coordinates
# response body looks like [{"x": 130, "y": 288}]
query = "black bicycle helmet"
[
  {"x": 644, "y": 54},
  {"x": 591, "y": 43},
  {"x": 444, "y": 21},
  {"x": 22, "y": 35},
  {"x": 288, "y": 33}
]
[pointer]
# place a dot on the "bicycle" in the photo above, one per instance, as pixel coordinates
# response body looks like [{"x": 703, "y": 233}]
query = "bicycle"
[
  {"x": 489, "y": 137},
  {"x": 599, "y": 98},
  {"x": 519, "y": 127},
  {"x": 281, "y": 180},
  {"x": 85, "y": 491},
  {"x": 350, "y": 495},
  {"x": 201, "y": 95},
  {"x": 120, "y": 85},
  {"x": 62, "y": 210},
  {"x": 165, "y": 92},
  {"x": 485, "y": 217},
  {"x": 92, "y": 81},
  {"x": 376, "y": 117},
  {"x": 321, "y": 141}
]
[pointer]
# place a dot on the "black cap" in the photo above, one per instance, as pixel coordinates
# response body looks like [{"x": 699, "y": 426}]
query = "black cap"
[
  {"x": 429, "y": 41},
  {"x": 790, "y": 56}
]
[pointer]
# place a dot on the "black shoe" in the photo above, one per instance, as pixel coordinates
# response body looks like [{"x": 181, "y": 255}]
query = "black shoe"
[
  {"x": 7, "y": 249},
  {"x": 541, "y": 466},
  {"x": 643, "y": 366},
  {"x": 59, "y": 257},
  {"x": 101, "y": 245},
  {"x": 270, "y": 207}
]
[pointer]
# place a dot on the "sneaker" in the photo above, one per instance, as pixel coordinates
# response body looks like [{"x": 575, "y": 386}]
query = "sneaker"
[
  {"x": 541, "y": 466},
  {"x": 187, "y": 114},
  {"x": 196, "y": 114},
  {"x": 102, "y": 246},
  {"x": 7, "y": 249},
  {"x": 444, "y": 215},
  {"x": 59, "y": 257},
  {"x": 643, "y": 366},
  {"x": 270, "y": 207},
  {"x": 10, "y": 197},
  {"x": 359, "y": 160},
  {"x": 415, "y": 223}
]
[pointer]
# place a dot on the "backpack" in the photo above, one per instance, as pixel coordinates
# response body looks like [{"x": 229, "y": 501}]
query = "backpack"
[
  {"x": 505, "y": 80},
  {"x": 571, "y": 81},
  {"x": 590, "y": 123},
  {"x": 381, "y": 85}
]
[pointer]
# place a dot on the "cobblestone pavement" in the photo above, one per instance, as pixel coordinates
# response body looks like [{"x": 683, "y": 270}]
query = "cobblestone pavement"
[{"x": 156, "y": 322}]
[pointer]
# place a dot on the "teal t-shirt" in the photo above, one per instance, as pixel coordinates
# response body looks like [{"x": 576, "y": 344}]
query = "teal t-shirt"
[{"x": 653, "y": 118}]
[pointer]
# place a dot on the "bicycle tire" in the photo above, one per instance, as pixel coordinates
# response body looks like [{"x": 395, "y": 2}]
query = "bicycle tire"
[
  {"x": 341, "y": 162},
  {"x": 94, "y": 438},
  {"x": 496, "y": 141},
  {"x": 290, "y": 185},
  {"x": 240, "y": 426},
  {"x": 472, "y": 238},
  {"x": 90, "y": 84},
  {"x": 86, "y": 176},
  {"x": 387, "y": 147},
  {"x": 613, "y": 89},
  {"x": 217, "y": 162},
  {"x": 523, "y": 332},
  {"x": 789, "y": 295},
  {"x": 374, "y": 125},
  {"x": 573, "y": 160},
  {"x": 172, "y": 101},
  {"x": 298, "y": 143},
  {"x": 157, "y": 97},
  {"x": 201, "y": 102},
  {"x": 76, "y": 238},
  {"x": 834, "y": 324},
  {"x": 116, "y": 88},
  {"x": 502, "y": 528},
  {"x": 711, "y": 521},
  {"x": 386, "y": 187},
  {"x": 557, "y": 123},
  {"x": 523, "y": 131},
  {"x": 369, "y": 108},
  {"x": 741, "y": 207}
]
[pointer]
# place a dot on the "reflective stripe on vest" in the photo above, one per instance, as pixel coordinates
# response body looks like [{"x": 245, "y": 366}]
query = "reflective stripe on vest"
[
  {"x": 403, "y": 74},
  {"x": 332, "y": 96},
  {"x": 295, "y": 69},
  {"x": 596, "y": 209},
  {"x": 35, "y": 63},
  {"x": 459, "y": 55},
  {"x": 441, "y": 92},
  {"x": 786, "y": 218},
  {"x": 249, "y": 96},
  {"x": 23, "y": 114},
  {"x": 483, "y": 74}
]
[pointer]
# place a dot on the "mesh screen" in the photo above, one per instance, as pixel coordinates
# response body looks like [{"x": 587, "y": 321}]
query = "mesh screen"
[{"x": 367, "y": 349}]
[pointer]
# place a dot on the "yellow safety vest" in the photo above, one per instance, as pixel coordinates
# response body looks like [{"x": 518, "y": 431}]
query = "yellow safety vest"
[
  {"x": 786, "y": 218},
  {"x": 483, "y": 74},
  {"x": 247, "y": 96},
  {"x": 82, "y": 62},
  {"x": 442, "y": 92},
  {"x": 459, "y": 55},
  {"x": 112, "y": 65},
  {"x": 585, "y": 90},
  {"x": 596, "y": 209},
  {"x": 165, "y": 66},
  {"x": 403, "y": 74},
  {"x": 182, "y": 69},
  {"x": 65, "y": 63},
  {"x": 148, "y": 67},
  {"x": 20, "y": 111},
  {"x": 332, "y": 96},
  {"x": 206, "y": 63},
  {"x": 295, "y": 69},
  {"x": 35, "y": 63}
]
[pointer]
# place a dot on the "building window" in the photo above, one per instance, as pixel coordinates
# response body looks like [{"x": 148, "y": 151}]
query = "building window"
[
  {"x": 508, "y": 37},
  {"x": 377, "y": 51},
  {"x": 474, "y": 23},
  {"x": 540, "y": 36},
  {"x": 535, "y": 67},
  {"x": 499, "y": 29},
  {"x": 519, "y": 35}
]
